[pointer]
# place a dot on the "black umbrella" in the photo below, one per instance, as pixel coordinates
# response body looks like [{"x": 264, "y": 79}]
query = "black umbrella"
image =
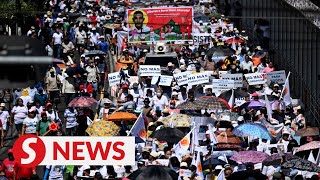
[
  {"x": 153, "y": 172},
  {"x": 75, "y": 70},
  {"x": 220, "y": 51},
  {"x": 170, "y": 135},
  {"x": 238, "y": 93}
]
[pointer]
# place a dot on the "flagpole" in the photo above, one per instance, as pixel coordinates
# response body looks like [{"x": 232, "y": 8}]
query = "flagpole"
[
  {"x": 134, "y": 125},
  {"x": 285, "y": 83}
]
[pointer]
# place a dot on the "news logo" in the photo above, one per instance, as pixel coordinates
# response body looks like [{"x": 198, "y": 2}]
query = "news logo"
[{"x": 31, "y": 150}]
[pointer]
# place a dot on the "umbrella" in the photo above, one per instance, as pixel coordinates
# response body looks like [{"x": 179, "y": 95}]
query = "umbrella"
[
  {"x": 209, "y": 102},
  {"x": 275, "y": 159},
  {"x": 253, "y": 130},
  {"x": 170, "y": 135},
  {"x": 301, "y": 164},
  {"x": 187, "y": 106},
  {"x": 249, "y": 156},
  {"x": 311, "y": 131},
  {"x": 235, "y": 40},
  {"x": 308, "y": 146},
  {"x": 238, "y": 93},
  {"x": 122, "y": 116},
  {"x": 94, "y": 53},
  {"x": 220, "y": 51},
  {"x": 75, "y": 70},
  {"x": 83, "y": 19},
  {"x": 83, "y": 101},
  {"x": 178, "y": 120},
  {"x": 153, "y": 172},
  {"x": 227, "y": 137},
  {"x": 103, "y": 128},
  {"x": 256, "y": 104}
]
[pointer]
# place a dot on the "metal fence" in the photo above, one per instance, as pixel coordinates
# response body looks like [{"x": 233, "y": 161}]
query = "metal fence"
[{"x": 296, "y": 43}]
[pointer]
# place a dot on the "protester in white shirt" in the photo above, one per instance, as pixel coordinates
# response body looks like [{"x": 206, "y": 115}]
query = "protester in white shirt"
[
  {"x": 30, "y": 122},
  {"x": 247, "y": 64}
]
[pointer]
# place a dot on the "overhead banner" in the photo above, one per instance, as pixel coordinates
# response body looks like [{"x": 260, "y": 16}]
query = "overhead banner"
[
  {"x": 236, "y": 77},
  {"x": 165, "y": 80},
  {"x": 160, "y": 24},
  {"x": 150, "y": 70},
  {"x": 255, "y": 78},
  {"x": 222, "y": 84},
  {"x": 182, "y": 78},
  {"x": 199, "y": 78},
  {"x": 276, "y": 76},
  {"x": 202, "y": 38}
]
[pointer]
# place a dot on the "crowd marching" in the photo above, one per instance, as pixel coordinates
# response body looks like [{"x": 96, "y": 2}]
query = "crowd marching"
[{"x": 221, "y": 109}]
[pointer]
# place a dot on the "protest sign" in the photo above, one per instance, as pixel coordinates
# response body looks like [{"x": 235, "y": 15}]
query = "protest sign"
[
  {"x": 160, "y": 24},
  {"x": 276, "y": 76},
  {"x": 133, "y": 79},
  {"x": 199, "y": 78},
  {"x": 236, "y": 77},
  {"x": 222, "y": 84},
  {"x": 154, "y": 80},
  {"x": 150, "y": 70},
  {"x": 182, "y": 78},
  {"x": 185, "y": 173},
  {"x": 255, "y": 78},
  {"x": 114, "y": 78},
  {"x": 202, "y": 38},
  {"x": 222, "y": 73},
  {"x": 239, "y": 101},
  {"x": 165, "y": 80}
]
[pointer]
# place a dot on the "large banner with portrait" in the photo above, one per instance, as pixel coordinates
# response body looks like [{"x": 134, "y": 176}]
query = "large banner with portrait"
[{"x": 160, "y": 24}]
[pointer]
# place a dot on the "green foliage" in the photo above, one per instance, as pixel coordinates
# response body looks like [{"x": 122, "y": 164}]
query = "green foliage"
[{"x": 8, "y": 9}]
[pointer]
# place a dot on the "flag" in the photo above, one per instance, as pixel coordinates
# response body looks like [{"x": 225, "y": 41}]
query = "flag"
[
  {"x": 231, "y": 100},
  {"x": 274, "y": 130},
  {"x": 212, "y": 136},
  {"x": 268, "y": 106},
  {"x": 183, "y": 145},
  {"x": 233, "y": 46},
  {"x": 199, "y": 166},
  {"x": 139, "y": 129},
  {"x": 311, "y": 157},
  {"x": 195, "y": 139},
  {"x": 286, "y": 92},
  {"x": 221, "y": 175}
]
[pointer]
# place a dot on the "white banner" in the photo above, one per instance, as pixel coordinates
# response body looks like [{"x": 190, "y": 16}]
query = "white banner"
[
  {"x": 182, "y": 78},
  {"x": 185, "y": 173},
  {"x": 199, "y": 78},
  {"x": 222, "y": 84},
  {"x": 165, "y": 80},
  {"x": 150, "y": 70},
  {"x": 202, "y": 38},
  {"x": 154, "y": 80},
  {"x": 236, "y": 77},
  {"x": 276, "y": 76},
  {"x": 255, "y": 78},
  {"x": 114, "y": 78}
]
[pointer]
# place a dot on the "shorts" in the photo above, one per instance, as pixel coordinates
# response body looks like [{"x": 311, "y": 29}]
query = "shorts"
[{"x": 18, "y": 127}]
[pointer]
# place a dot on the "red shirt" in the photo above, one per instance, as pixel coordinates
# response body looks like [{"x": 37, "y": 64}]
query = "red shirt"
[
  {"x": 9, "y": 167},
  {"x": 23, "y": 172}
]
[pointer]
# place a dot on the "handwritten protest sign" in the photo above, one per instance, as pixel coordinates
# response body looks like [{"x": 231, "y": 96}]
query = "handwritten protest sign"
[
  {"x": 114, "y": 78},
  {"x": 150, "y": 70},
  {"x": 222, "y": 84},
  {"x": 236, "y": 77},
  {"x": 255, "y": 78},
  {"x": 165, "y": 80},
  {"x": 276, "y": 76}
]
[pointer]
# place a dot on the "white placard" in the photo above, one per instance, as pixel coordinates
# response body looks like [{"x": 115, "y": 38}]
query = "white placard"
[
  {"x": 154, "y": 80},
  {"x": 276, "y": 76},
  {"x": 163, "y": 162},
  {"x": 182, "y": 78},
  {"x": 255, "y": 78},
  {"x": 199, "y": 78},
  {"x": 239, "y": 101},
  {"x": 133, "y": 79},
  {"x": 165, "y": 80},
  {"x": 185, "y": 173},
  {"x": 222, "y": 84},
  {"x": 150, "y": 70},
  {"x": 114, "y": 78},
  {"x": 222, "y": 73},
  {"x": 202, "y": 38},
  {"x": 236, "y": 77}
]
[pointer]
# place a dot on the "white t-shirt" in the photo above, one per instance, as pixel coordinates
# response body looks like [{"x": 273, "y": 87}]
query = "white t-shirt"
[
  {"x": 31, "y": 124},
  {"x": 92, "y": 73},
  {"x": 160, "y": 103},
  {"x": 20, "y": 113},
  {"x": 57, "y": 38},
  {"x": 25, "y": 99},
  {"x": 80, "y": 36},
  {"x": 53, "y": 116},
  {"x": 94, "y": 37},
  {"x": 56, "y": 172},
  {"x": 4, "y": 118}
]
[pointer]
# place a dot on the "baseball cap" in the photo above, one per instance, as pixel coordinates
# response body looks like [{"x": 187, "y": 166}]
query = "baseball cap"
[
  {"x": 48, "y": 104},
  {"x": 154, "y": 154}
]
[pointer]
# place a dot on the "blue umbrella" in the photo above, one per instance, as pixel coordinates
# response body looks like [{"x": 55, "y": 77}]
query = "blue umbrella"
[{"x": 252, "y": 130}]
